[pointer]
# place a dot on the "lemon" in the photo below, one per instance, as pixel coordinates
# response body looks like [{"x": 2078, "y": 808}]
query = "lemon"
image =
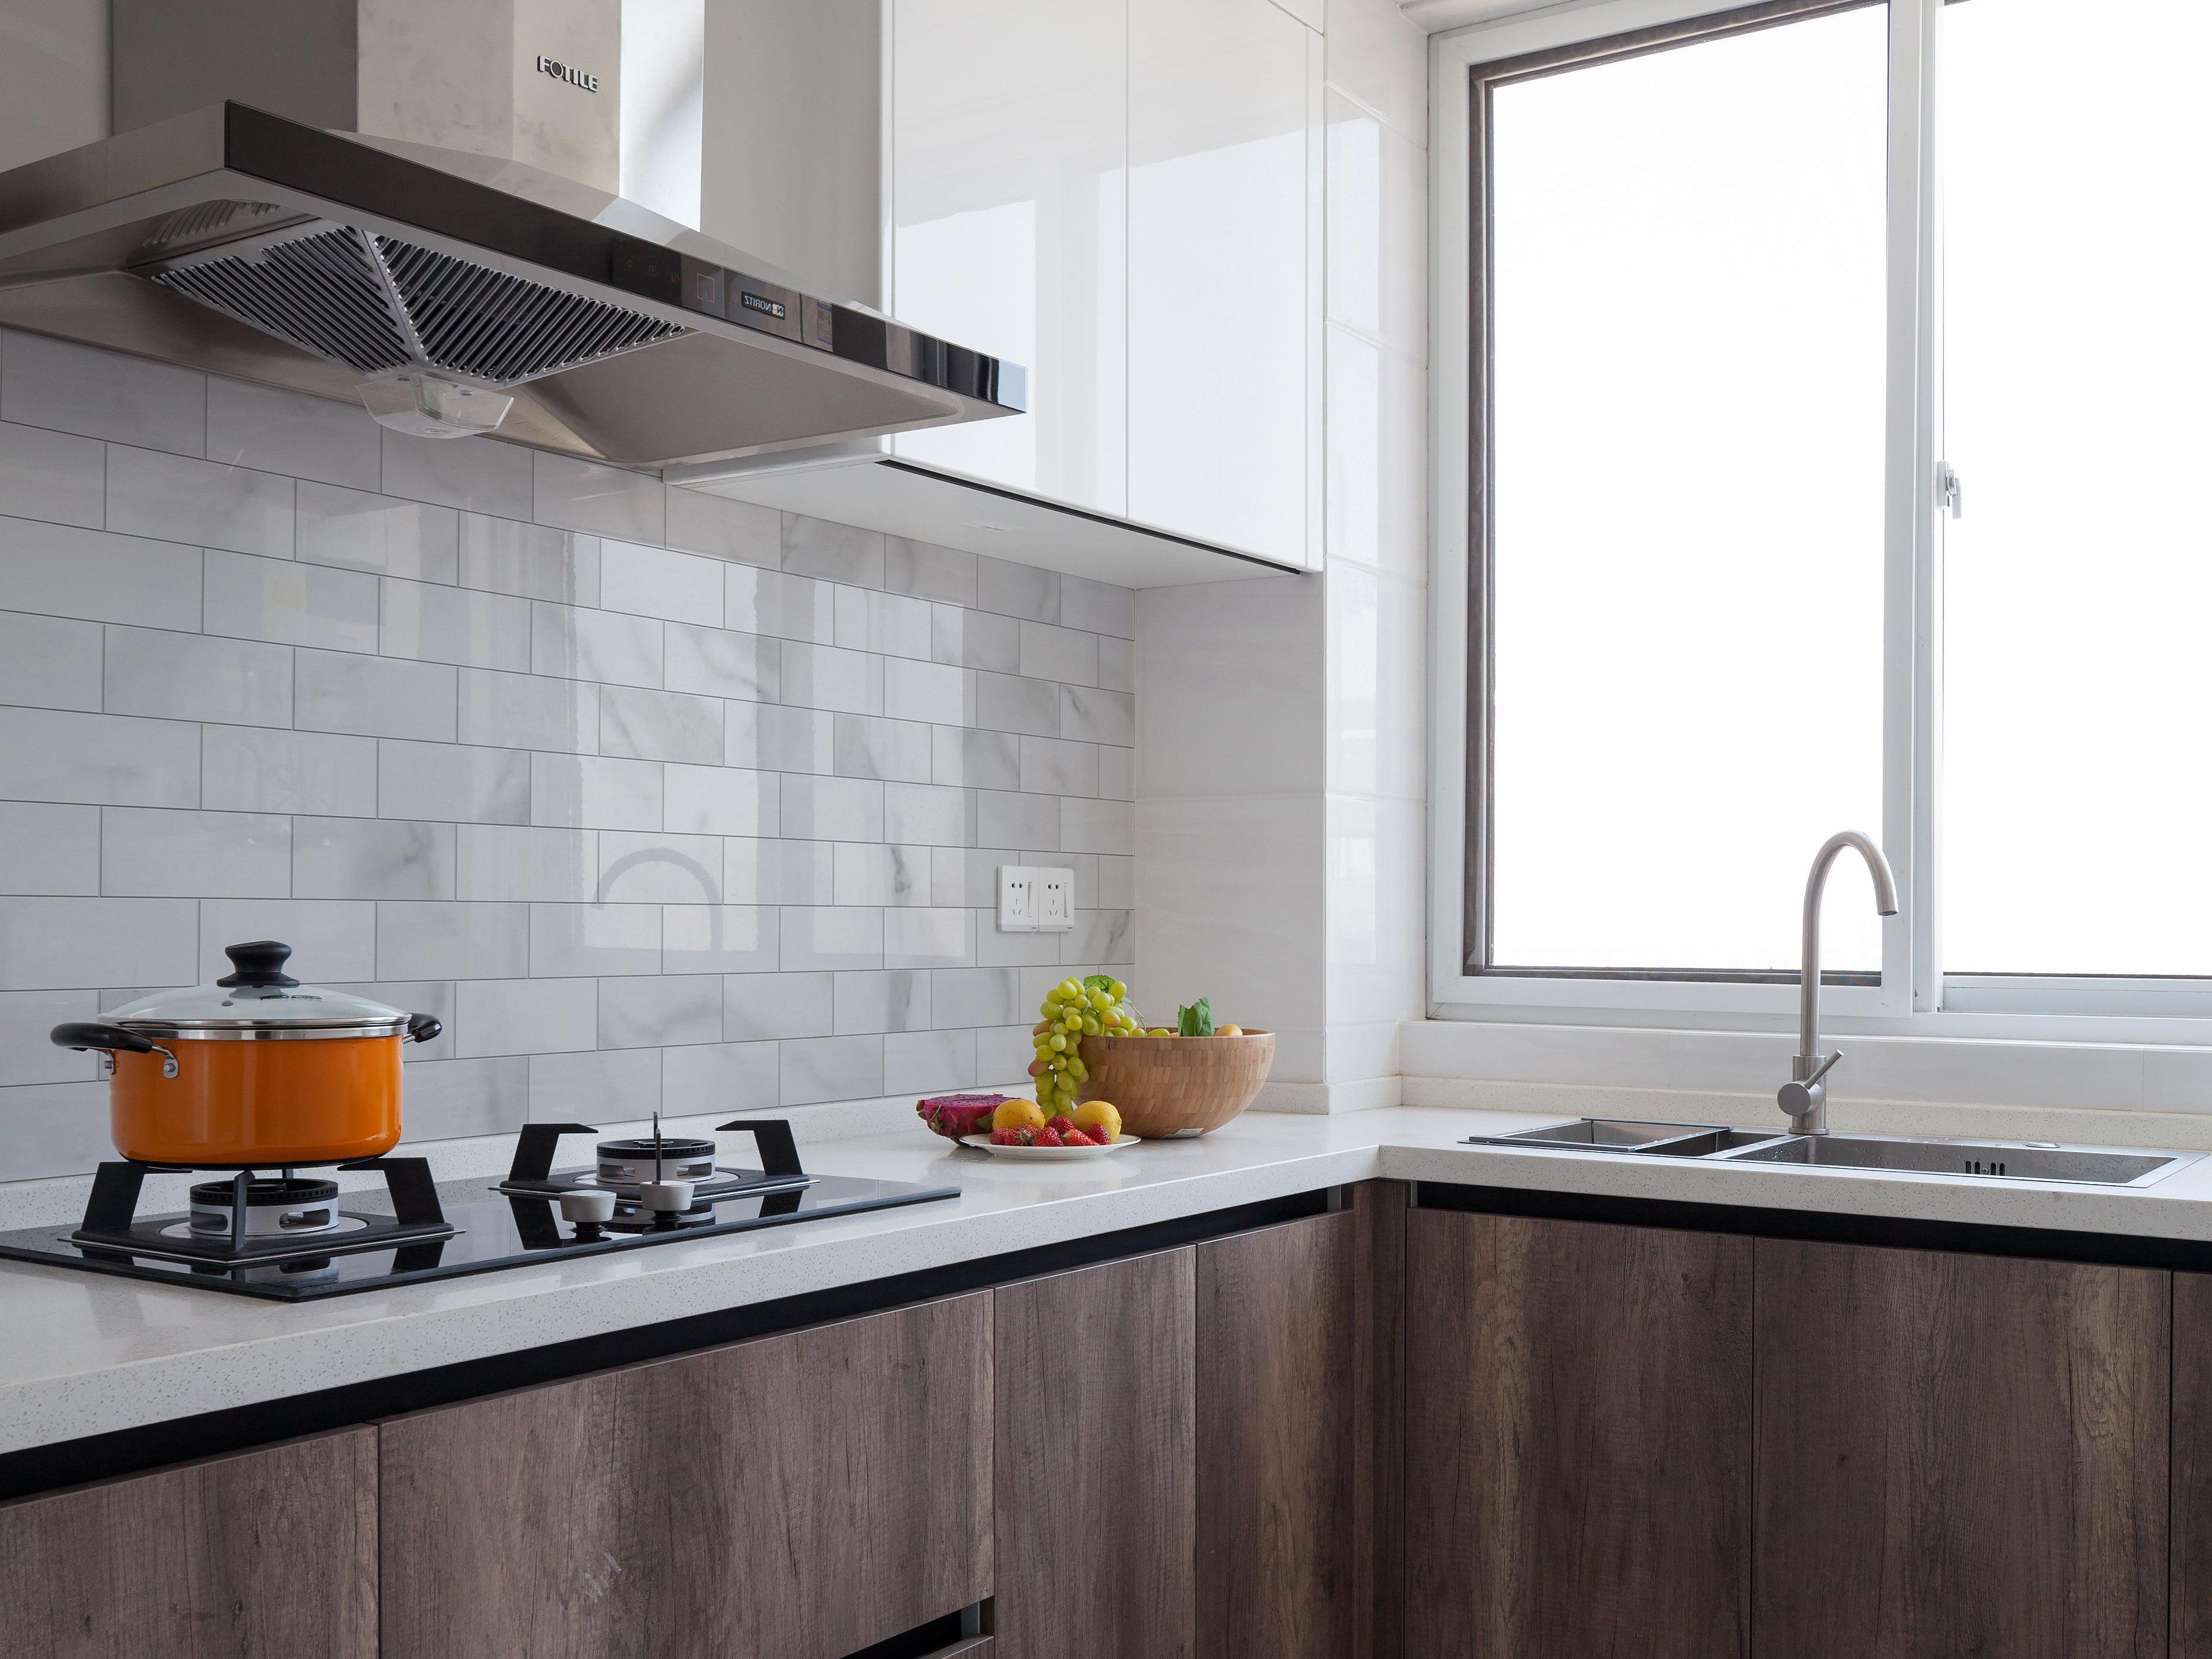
[
  {"x": 1099, "y": 1114},
  {"x": 1018, "y": 1115}
]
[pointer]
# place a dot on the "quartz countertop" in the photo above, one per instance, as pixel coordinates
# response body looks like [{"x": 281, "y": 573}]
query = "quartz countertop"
[{"x": 90, "y": 1354}]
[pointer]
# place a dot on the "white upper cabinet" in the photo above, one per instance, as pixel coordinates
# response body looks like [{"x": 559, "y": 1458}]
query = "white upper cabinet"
[
  {"x": 1123, "y": 196},
  {"x": 1010, "y": 216},
  {"x": 1224, "y": 296}
]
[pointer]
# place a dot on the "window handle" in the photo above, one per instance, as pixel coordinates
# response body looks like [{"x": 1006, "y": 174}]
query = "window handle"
[{"x": 1950, "y": 495}]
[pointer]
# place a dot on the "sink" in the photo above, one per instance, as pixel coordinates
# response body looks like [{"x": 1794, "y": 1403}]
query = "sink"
[
  {"x": 1623, "y": 1134},
  {"x": 2000, "y": 1160}
]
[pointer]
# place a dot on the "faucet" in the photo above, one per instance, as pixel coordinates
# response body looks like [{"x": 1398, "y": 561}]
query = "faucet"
[{"x": 1805, "y": 1097}]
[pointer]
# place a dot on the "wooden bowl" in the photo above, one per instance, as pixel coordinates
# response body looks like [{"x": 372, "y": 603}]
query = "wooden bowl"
[{"x": 1168, "y": 1086}]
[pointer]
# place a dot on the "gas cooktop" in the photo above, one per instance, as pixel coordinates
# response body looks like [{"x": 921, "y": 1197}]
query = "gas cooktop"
[{"x": 290, "y": 1238}]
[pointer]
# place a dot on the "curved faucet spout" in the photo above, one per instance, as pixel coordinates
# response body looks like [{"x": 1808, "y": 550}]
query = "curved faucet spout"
[{"x": 1805, "y": 1097}]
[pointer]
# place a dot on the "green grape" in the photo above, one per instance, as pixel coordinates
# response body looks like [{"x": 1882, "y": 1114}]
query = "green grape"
[{"x": 1058, "y": 1042}]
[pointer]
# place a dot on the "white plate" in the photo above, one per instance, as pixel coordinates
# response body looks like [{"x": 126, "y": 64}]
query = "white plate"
[{"x": 1048, "y": 1154}]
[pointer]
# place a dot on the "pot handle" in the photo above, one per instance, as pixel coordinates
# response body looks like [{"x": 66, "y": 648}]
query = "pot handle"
[
  {"x": 110, "y": 1041},
  {"x": 421, "y": 1028}
]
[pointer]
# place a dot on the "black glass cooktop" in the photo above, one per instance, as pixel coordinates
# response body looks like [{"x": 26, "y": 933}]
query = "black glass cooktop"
[{"x": 490, "y": 1229}]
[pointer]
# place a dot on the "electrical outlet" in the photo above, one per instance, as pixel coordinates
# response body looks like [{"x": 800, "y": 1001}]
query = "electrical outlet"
[
  {"x": 1018, "y": 899},
  {"x": 1055, "y": 901}
]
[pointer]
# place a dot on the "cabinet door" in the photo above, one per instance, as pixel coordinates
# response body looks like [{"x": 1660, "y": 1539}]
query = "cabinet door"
[
  {"x": 268, "y": 1555},
  {"x": 1010, "y": 178},
  {"x": 2191, "y": 1508},
  {"x": 1958, "y": 1455},
  {"x": 1096, "y": 1513},
  {"x": 799, "y": 1496},
  {"x": 1224, "y": 295},
  {"x": 1279, "y": 1325},
  {"x": 1577, "y": 1440}
]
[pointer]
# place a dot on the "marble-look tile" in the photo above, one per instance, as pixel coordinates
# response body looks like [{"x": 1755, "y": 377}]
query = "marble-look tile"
[
  {"x": 571, "y": 939},
  {"x": 301, "y": 437},
  {"x": 1117, "y": 882},
  {"x": 177, "y": 498},
  {"x": 1099, "y": 937},
  {"x": 1006, "y": 703},
  {"x": 832, "y": 1068},
  {"x": 52, "y": 848},
  {"x": 528, "y": 711},
  {"x": 1016, "y": 590},
  {"x": 929, "y": 1062},
  {"x": 776, "y": 738},
  {"x": 771, "y": 872},
  {"x": 453, "y": 782},
  {"x": 936, "y": 692},
  {"x": 459, "y": 625},
  {"x": 833, "y": 809},
  {"x": 525, "y": 864},
  {"x": 414, "y": 996},
  {"x": 719, "y": 938},
  {"x": 661, "y": 869},
  {"x": 723, "y": 1077},
  {"x": 870, "y": 748},
  {"x": 59, "y": 570},
  {"x": 975, "y": 759},
  {"x": 525, "y": 1016},
  {"x": 57, "y": 943},
  {"x": 102, "y": 394},
  {"x": 929, "y": 815},
  {"x": 574, "y": 644},
  {"x": 896, "y": 626},
  {"x": 666, "y": 726},
  {"x": 453, "y": 1098},
  {"x": 190, "y": 677},
  {"x": 1033, "y": 954},
  {"x": 721, "y": 800},
  {"x": 56, "y": 1129},
  {"x": 717, "y": 662},
  {"x": 476, "y": 477},
  {"x": 784, "y": 607},
  {"x": 371, "y": 858},
  {"x": 715, "y": 524},
  {"x": 605, "y": 500},
  {"x": 362, "y": 531},
  {"x": 96, "y": 759},
  {"x": 834, "y": 552},
  {"x": 374, "y": 696},
  {"x": 289, "y": 603},
  {"x": 52, "y": 476},
  {"x": 1117, "y": 664},
  {"x": 1003, "y": 819},
  {"x": 448, "y": 940},
  {"x": 1096, "y": 826},
  {"x": 930, "y": 938},
  {"x": 26, "y": 1055},
  {"x": 966, "y": 877},
  {"x": 824, "y": 677},
  {"x": 945, "y": 574},
  {"x": 975, "y": 996},
  {"x": 1098, "y": 607},
  {"x": 652, "y": 581},
  {"x": 594, "y": 1087},
  {"x": 1052, "y": 767},
  {"x": 819, "y": 938},
  {"x": 246, "y": 768},
  {"x": 975, "y": 639},
  {"x": 880, "y": 1002},
  {"x": 870, "y": 872},
  {"x": 46, "y": 662},
  {"x": 529, "y": 561},
  {"x": 765, "y": 1007},
  {"x": 1117, "y": 772},
  {"x": 168, "y": 853},
  {"x": 1092, "y": 715},
  {"x": 1059, "y": 653},
  {"x": 660, "y": 1011},
  {"x": 591, "y": 792}
]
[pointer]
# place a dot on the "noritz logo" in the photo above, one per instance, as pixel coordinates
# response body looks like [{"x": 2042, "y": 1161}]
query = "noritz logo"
[
  {"x": 757, "y": 302},
  {"x": 568, "y": 72}
]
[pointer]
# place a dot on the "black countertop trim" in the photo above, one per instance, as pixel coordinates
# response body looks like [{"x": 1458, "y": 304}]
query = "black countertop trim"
[{"x": 65, "y": 1463}]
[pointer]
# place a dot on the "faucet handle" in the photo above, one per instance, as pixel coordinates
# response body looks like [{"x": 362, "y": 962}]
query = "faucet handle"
[
  {"x": 1802, "y": 1098},
  {"x": 1826, "y": 1064}
]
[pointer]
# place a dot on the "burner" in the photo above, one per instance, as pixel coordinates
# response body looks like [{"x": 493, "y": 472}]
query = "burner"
[
  {"x": 626, "y": 1165},
  {"x": 275, "y": 1208}
]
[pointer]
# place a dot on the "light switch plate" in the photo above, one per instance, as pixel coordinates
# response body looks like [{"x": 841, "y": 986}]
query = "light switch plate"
[
  {"x": 1018, "y": 902},
  {"x": 1055, "y": 900}
]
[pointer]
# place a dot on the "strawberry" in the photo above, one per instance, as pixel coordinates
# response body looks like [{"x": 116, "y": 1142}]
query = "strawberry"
[
  {"x": 1049, "y": 1136},
  {"x": 1026, "y": 1137},
  {"x": 1100, "y": 1138},
  {"x": 1002, "y": 1137},
  {"x": 1062, "y": 1122}
]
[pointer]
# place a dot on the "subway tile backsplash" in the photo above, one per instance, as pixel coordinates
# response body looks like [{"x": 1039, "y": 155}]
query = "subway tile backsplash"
[{"x": 657, "y": 799}]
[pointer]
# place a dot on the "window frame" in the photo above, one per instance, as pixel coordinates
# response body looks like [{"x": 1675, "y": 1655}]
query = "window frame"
[{"x": 1912, "y": 996}]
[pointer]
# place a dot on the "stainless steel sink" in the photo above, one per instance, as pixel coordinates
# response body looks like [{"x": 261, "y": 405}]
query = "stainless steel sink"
[
  {"x": 1969, "y": 1160},
  {"x": 1997, "y": 1160}
]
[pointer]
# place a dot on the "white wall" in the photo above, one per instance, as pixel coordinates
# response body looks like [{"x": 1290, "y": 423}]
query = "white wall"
[{"x": 54, "y": 77}]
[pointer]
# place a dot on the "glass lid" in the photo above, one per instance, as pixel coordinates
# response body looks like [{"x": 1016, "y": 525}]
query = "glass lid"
[{"x": 257, "y": 991}]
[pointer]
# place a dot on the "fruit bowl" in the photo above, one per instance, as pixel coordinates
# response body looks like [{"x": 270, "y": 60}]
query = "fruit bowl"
[
  {"x": 1176, "y": 1085},
  {"x": 1048, "y": 1154}
]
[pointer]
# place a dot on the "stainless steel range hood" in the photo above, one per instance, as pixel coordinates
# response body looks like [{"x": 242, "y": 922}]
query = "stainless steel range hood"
[{"x": 237, "y": 241}]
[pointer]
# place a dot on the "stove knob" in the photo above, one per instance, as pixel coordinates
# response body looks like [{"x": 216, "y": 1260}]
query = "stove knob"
[
  {"x": 586, "y": 1207},
  {"x": 668, "y": 1197}
]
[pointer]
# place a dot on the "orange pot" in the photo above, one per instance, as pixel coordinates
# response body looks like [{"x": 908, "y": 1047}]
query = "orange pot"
[{"x": 255, "y": 1071}]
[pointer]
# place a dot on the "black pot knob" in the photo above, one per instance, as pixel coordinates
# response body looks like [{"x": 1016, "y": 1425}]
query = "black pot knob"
[{"x": 261, "y": 962}]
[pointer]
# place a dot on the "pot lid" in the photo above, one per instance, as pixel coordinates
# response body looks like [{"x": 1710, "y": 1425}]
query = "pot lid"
[{"x": 257, "y": 991}]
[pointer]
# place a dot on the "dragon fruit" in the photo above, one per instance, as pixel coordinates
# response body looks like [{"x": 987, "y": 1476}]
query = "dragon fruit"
[{"x": 955, "y": 1115}]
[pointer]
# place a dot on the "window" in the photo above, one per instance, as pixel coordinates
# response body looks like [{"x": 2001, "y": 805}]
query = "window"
[{"x": 1827, "y": 450}]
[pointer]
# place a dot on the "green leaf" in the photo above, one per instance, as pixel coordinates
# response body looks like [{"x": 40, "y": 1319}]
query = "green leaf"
[
  {"x": 1195, "y": 1019},
  {"x": 1098, "y": 982}
]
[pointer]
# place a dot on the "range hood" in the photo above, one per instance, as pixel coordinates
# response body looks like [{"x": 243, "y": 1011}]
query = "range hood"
[{"x": 491, "y": 281}]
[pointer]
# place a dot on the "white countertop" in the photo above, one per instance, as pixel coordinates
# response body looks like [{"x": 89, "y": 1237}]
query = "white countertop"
[{"x": 88, "y": 1353}]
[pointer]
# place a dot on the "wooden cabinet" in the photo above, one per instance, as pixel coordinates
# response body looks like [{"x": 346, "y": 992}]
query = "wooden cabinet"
[
  {"x": 1963, "y": 1454},
  {"x": 1096, "y": 1462},
  {"x": 797, "y": 1497},
  {"x": 271, "y": 1554},
  {"x": 1578, "y": 1439},
  {"x": 2191, "y": 1504}
]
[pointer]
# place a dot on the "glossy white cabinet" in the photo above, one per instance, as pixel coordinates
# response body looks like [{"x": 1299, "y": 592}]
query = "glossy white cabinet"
[
  {"x": 1225, "y": 290},
  {"x": 1010, "y": 227},
  {"x": 1124, "y": 197}
]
